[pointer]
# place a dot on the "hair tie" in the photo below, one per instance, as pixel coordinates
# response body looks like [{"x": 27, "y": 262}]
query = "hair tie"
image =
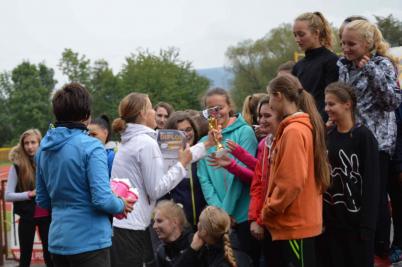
[
  {"x": 300, "y": 90},
  {"x": 131, "y": 118}
]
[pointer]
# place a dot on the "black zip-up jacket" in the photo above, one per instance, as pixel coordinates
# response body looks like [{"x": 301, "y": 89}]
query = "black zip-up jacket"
[
  {"x": 212, "y": 256},
  {"x": 315, "y": 71},
  {"x": 170, "y": 254}
]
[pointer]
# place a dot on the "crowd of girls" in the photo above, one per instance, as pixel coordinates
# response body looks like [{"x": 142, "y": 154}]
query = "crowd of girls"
[{"x": 303, "y": 180}]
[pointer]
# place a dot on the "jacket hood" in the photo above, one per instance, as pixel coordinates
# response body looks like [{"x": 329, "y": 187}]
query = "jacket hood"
[
  {"x": 298, "y": 117},
  {"x": 134, "y": 129},
  {"x": 55, "y": 138},
  {"x": 239, "y": 122},
  {"x": 15, "y": 155}
]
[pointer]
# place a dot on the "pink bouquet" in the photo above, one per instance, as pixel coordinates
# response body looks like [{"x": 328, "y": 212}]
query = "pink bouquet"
[{"x": 122, "y": 188}]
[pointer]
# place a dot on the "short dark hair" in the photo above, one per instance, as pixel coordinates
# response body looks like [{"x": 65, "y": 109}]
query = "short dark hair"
[{"x": 72, "y": 103}]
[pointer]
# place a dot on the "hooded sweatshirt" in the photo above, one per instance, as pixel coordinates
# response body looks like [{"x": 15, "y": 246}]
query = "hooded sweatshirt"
[
  {"x": 72, "y": 179},
  {"x": 220, "y": 187},
  {"x": 140, "y": 160},
  {"x": 293, "y": 205}
]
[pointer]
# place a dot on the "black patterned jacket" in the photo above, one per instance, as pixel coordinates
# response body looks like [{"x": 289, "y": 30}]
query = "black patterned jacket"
[{"x": 378, "y": 95}]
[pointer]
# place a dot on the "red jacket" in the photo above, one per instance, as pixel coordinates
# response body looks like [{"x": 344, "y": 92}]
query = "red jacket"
[
  {"x": 257, "y": 172},
  {"x": 259, "y": 182}
]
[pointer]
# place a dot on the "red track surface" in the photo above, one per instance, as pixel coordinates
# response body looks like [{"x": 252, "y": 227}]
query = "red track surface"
[{"x": 4, "y": 172}]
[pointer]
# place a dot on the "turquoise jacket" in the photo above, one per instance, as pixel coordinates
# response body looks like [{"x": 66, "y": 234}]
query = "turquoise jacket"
[{"x": 220, "y": 187}]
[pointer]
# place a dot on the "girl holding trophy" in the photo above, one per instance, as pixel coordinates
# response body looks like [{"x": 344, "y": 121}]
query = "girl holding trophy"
[{"x": 220, "y": 187}]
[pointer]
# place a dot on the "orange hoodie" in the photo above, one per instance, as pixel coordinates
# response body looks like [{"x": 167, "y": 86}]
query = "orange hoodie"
[{"x": 293, "y": 204}]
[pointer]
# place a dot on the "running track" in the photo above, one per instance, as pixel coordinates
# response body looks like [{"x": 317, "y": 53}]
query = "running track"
[{"x": 4, "y": 172}]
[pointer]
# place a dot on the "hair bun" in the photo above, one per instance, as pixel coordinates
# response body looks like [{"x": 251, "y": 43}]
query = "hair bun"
[{"x": 119, "y": 125}]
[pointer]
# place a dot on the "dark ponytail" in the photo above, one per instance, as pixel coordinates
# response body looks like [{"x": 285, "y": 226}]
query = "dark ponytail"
[{"x": 103, "y": 121}]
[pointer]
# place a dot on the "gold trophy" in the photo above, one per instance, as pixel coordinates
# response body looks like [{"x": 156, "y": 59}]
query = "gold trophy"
[{"x": 211, "y": 114}]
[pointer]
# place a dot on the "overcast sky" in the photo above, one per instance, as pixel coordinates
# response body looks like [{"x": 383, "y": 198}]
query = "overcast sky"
[{"x": 39, "y": 30}]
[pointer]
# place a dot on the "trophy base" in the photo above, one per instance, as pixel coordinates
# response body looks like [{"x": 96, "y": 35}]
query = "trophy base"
[{"x": 219, "y": 153}]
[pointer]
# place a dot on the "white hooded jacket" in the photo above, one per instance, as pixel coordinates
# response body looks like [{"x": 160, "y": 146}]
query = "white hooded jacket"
[{"x": 140, "y": 160}]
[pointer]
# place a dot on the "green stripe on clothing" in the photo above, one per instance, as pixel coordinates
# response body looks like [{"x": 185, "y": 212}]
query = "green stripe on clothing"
[
  {"x": 296, "y": 245},
  {"x": 294, "y": 249}
]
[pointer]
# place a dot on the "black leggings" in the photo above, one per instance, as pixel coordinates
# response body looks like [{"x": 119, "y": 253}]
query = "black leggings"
[{"x": 26, "y": 235}]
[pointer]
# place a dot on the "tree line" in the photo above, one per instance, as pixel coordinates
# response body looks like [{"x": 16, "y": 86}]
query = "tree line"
[{"x": 26, "y": 90}]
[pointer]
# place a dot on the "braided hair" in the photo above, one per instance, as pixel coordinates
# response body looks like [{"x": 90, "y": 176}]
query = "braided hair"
[{"x": 216, "y": 222}]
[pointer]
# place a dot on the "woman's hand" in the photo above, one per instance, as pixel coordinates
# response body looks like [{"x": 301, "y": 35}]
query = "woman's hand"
[
  {"x": 213, "y": 136},
  {"x": 231, "y": 145},
  {"x": 362, "y": 62},
  {"x": 32, "y": 194},
  {"x": 217, "y": 162},
  {"x": 128, "y": 205},
  {"x": 260, "y": 132},
  {"x": 185, "y": 156},
  {"x": 197, "y": 242},
  {"x": 256, "y": 230},
  {"x": 329, "y": 124}
]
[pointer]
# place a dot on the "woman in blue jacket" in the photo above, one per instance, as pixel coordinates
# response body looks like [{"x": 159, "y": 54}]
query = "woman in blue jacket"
[{"x": 72, "y": 180}]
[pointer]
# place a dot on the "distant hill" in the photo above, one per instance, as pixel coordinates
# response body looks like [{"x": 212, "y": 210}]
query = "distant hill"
[{"x": 219, "y": 77}]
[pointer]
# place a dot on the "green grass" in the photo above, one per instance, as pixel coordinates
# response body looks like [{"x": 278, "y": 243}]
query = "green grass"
[{"x": 5, "y": 163}]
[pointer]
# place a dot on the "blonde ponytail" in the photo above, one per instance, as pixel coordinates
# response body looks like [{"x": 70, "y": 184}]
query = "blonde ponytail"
[
  {"x": 250, "y": 105},
  {"x": 325, "y": 32},
  {"x": 317, "y": 23},
  {"x": 227, "y": 247}
]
